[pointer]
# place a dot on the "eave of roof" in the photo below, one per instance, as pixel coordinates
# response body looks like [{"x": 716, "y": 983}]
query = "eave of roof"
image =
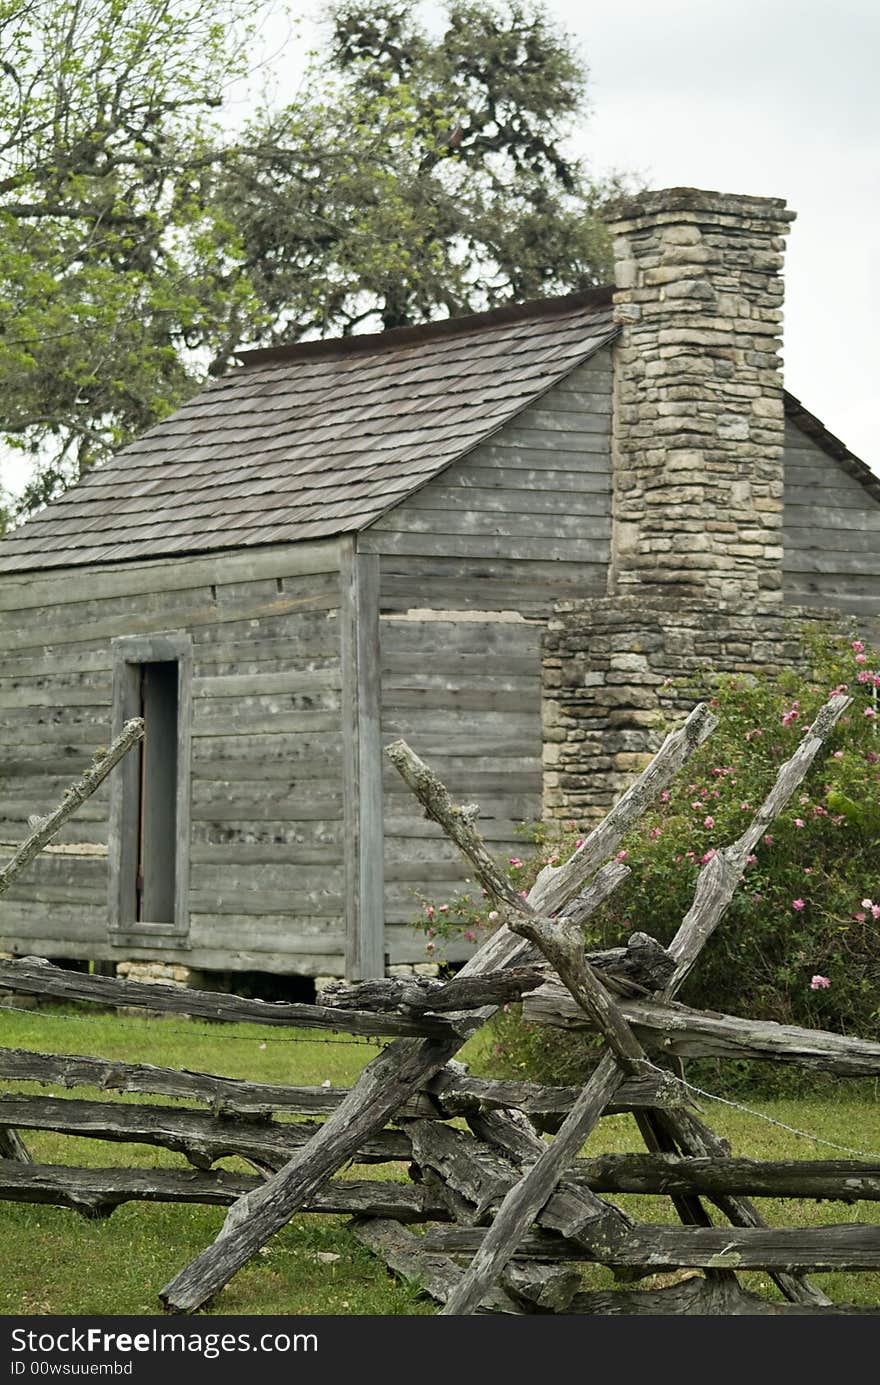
[{"x": 815, "y": 429}]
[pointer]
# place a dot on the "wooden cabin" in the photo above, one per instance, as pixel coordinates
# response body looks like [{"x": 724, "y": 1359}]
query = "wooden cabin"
[{"x": 337, "y": 544}]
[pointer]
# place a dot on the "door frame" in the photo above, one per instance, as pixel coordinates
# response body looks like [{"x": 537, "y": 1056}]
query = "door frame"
[{"x": 130, "y": 652}]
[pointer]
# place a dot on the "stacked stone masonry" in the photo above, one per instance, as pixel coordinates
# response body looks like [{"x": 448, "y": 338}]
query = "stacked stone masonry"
[
  {"x": 696, "y": 572},
  {"x": 619, "y": 670},
  {"x": 698, "y": 404}
]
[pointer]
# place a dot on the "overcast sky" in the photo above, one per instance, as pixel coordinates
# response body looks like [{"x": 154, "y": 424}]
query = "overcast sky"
[
  {"x": 776, "y": 99},
  {"x": 752, "y": 96}
]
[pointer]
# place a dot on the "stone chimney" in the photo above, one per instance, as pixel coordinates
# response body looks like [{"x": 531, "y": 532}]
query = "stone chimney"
[
  {"x": 698, "y": 409},
  {"x": 695, "y": 579}
]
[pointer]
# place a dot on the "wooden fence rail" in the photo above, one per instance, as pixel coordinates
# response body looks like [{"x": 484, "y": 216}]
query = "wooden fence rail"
[{"x": 509, "y": 1214}]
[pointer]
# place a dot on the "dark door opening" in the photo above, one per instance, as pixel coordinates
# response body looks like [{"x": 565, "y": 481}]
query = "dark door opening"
[{"x": 156, "y": 873}]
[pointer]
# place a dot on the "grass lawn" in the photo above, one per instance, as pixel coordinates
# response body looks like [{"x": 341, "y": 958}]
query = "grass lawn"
[{"x": 55, "y": 1262}]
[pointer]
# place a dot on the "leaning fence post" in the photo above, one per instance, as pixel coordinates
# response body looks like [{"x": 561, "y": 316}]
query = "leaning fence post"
[{"x": 43, "y": 830}]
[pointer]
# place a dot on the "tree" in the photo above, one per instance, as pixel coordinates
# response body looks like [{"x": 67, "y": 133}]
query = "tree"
[
  {"x": 115, "y": 270},
  {"x": 413, "y": 177},
  {"x": 423, "y": 176}
]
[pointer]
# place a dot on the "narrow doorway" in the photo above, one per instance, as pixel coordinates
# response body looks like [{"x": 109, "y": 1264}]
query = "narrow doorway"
[
  {"x": 156, "y": 874},
  {"x": 150, "y": 795}
]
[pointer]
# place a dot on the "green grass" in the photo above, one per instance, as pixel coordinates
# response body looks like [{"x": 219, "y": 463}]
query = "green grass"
[{"x": 55, "y": 1262}]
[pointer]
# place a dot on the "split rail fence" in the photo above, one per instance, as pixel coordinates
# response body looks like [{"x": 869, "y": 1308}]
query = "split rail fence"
[{"x": 507, "y": 1209}]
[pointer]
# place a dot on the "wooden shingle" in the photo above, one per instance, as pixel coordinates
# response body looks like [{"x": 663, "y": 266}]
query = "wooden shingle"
[{"x": 314, "y": 440}]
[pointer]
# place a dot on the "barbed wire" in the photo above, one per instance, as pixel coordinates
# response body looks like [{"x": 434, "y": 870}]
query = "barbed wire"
[
  {"x": 762, "y": 1115},
  {"x": 368, "y": 1042}
]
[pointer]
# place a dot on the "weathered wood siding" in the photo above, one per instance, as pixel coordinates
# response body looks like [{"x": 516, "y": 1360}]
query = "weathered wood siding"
[
  {"x": 522, "y": 522},
  {"x": 266, "y": 855},
  {"x": 831, "y": 534},
  {"x": 471, "y": 567}
]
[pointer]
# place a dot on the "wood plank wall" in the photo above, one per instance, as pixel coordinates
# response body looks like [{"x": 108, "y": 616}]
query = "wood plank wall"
[
  {"x": 267, "y": 751},
  {"x": 471, "y": 567},
  {"x": 831, "y": 534}
]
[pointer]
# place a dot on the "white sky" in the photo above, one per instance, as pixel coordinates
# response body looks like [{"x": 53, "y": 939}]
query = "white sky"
[
  {"x": 752, "y": 96},
  {"x": 776, "y": 99}
]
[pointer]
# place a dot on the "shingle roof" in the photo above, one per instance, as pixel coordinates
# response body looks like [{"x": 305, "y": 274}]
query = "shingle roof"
[{"x": 314, "y": 440}]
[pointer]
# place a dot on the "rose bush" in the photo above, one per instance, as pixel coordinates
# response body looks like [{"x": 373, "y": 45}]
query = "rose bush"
[{"x": 799, "y": 943}]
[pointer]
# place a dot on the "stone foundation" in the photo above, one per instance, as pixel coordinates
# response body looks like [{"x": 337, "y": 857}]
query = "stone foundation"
[
  {"x": 163, "y": 973},
  {"x": 617, "y": 670}
]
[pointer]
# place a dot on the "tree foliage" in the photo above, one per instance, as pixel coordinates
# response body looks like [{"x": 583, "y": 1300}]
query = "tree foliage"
[
  {"x": 421, "y": 175},
  {"x": 142, "y": 238},
  {"x": 111, "y": 255}
]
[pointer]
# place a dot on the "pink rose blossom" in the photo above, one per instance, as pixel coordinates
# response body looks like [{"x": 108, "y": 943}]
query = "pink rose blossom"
[
  {"x": 859, "y": 917},
  {"x": 709, "y": 822},
  {"x": 819, "y": 983},
  {"x": 704, "y": 860},
  {"x": 870, "y": 712},
  {"x": 861, "y": 658},
  {"x": 621, "y": 855},
  {"x": 514, "y": 861},
  {"x": 838, "y": 755},
  {"x": 751, "y": 858},
  {"x": 799, "y": 822},
  {"x": 798, "y": 905},
  {"x": 858, "y": 646},
  {"x": 664, "y": 797}
]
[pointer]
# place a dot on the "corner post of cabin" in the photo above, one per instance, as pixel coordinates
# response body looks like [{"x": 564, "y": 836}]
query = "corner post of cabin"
[{"x": 362, "y": 764}]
